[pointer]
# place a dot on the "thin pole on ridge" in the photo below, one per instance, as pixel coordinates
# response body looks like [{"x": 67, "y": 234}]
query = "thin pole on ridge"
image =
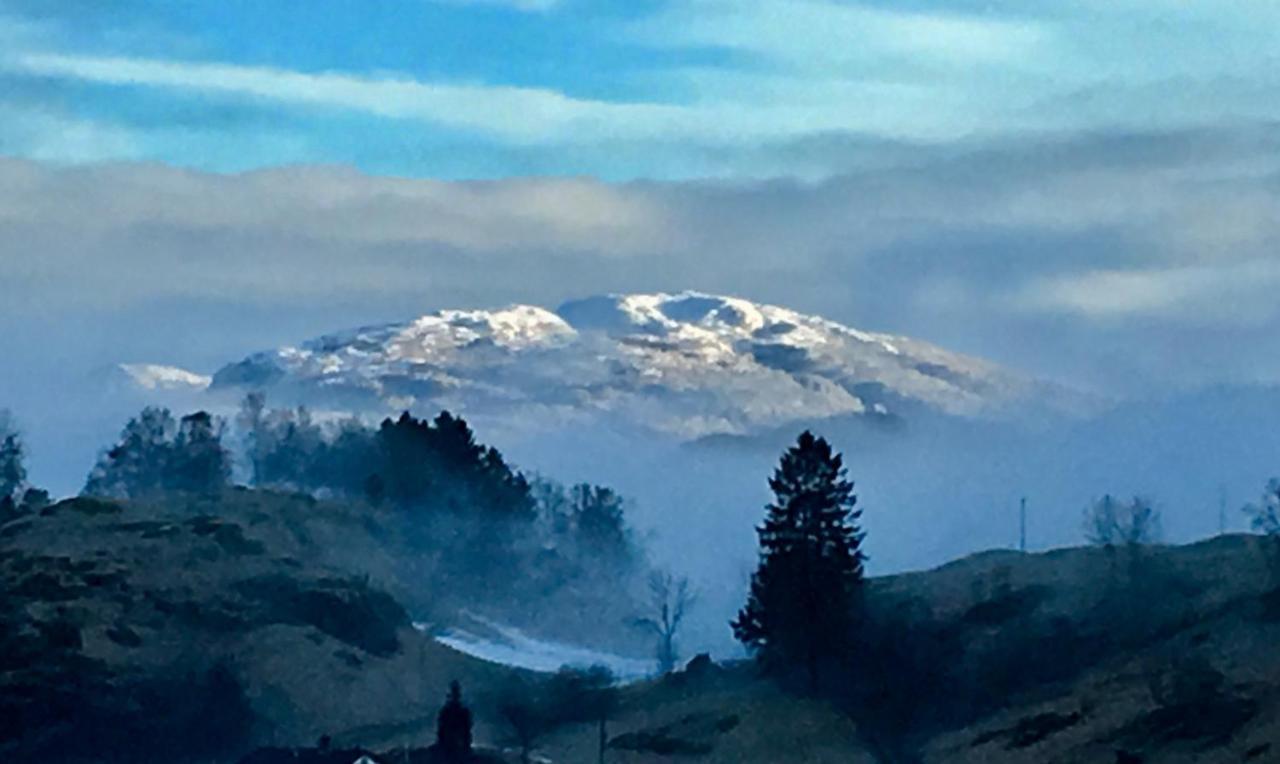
[{"x": 1022, "y": 524}]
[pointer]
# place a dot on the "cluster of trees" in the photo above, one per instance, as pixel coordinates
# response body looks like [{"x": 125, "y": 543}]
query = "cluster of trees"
[
  {"x": 585, "y": 523},
  {"x": 1135, "y": 523},
  {"x": 466, "y": 517},
  {"x": 157, "y": 454},
  {"x": 423, "y": 467},
  {"x": 433, "y": 468},
  {"x": 1117, "y": 522},
  {"x": 407, "y": 462},
  {"x": 17, "y": 496}
]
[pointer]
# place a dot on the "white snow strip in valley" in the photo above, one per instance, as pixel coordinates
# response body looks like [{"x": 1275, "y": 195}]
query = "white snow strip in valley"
[{"x": 510, "y": 646}]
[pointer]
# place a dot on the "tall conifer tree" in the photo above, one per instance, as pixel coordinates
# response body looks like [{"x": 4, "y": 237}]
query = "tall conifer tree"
[
  {"x": 805, "y": 595},
  {"x": 13, "y": 474}
]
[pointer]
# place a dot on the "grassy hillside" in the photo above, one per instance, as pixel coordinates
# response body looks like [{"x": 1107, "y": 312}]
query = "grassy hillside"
[
  {"x": 1154, "y": 655},
  {"x": 1160, "y": 655},
  {"x": 207, "y": 624},
  {"x": 207, "y": 627}
]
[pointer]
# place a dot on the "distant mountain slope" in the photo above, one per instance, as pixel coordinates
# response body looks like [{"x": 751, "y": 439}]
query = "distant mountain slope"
[{"x": 687, "y": 364}]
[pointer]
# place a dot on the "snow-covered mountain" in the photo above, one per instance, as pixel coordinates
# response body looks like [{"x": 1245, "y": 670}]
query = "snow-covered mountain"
[{"x": 687, "y": 364}]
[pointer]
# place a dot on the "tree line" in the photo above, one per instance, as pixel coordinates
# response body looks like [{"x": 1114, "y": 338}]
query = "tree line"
[
  {"x": 416, "y": 466},
  {"x": 467, "y": 517}
]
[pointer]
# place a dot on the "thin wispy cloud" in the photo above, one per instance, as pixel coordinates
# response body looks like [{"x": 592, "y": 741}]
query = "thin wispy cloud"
[
  {"x": 1235, "y": 294},
  {"x": 708, "y": 87},
  {"x": 811, "y": 35},
  {"x": 541, "y": 116},
  {"x": 519, "y": 114}
]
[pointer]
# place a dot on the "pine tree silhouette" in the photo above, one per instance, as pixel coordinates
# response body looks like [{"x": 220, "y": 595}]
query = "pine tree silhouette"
[
  {"x": 453, "y": 726},
  {"x": 12, "y": 472},
  {"x": 802, "y": 608},
  {"x": 199, "y": 462},
  {"x": 138, "y": 464}
]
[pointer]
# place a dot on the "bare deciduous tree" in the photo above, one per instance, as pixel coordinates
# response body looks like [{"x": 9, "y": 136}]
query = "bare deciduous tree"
[
  {"x": 670, "y": 598},
  {"x": 1264, "y": 518},
  {"x": 522, "y": 709},
  {"x": 1113, "y": 522}
]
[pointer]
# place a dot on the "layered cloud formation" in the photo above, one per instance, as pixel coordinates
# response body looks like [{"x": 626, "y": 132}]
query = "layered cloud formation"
[
  {"x": 612, "y": 89},
  {"x": 1124, "y": 262},
  {"x": 1087, "y": 191}
]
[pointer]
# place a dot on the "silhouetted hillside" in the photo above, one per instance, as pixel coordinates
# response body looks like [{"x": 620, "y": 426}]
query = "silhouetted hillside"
[
  {"x": 1155, "y": 655},
  {"x": 198, "y": 628}
]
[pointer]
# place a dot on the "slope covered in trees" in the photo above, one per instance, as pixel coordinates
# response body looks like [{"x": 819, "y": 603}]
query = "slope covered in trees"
[{"x": 465, "y": 529}]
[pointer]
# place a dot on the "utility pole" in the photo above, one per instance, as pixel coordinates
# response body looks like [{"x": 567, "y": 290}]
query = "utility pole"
[
  {"x": 1022, "y": 524},
  {"x": 1222, "y": 510}
]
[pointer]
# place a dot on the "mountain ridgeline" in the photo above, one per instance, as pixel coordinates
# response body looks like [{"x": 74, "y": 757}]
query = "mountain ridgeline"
[
  {"x": 706, "y": 389},
  {"x": 687, "y": 364}
]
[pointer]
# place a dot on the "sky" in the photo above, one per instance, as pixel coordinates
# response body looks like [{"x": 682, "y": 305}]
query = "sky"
[
  {"x": 1087, "y": 191},
  {"x": 611, "y": 89}
]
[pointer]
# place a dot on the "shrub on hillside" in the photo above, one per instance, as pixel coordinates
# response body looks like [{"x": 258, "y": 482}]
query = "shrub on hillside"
[{"x": 348, "y": 610}]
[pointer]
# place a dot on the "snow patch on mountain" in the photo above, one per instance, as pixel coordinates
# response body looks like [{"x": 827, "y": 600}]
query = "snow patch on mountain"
[
  {"x": 154, "y": 377},
  {"x": 689, "y": 364}
]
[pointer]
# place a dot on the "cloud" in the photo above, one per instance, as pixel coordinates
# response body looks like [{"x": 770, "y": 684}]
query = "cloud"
[
  {"x": 673, "y": 90},
  {"x": 814, "y": 35},
  {"x": 1232, "y": 294},
  {"x": 514, "y": 113},
  {"x": 1072, "y": 257},
  {"x": 42, "y": 135},
  {"x": 762, "y": 109}
]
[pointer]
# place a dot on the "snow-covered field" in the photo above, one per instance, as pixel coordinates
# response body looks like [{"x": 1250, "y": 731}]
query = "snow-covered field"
[{"x": 510, "y": 646}]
